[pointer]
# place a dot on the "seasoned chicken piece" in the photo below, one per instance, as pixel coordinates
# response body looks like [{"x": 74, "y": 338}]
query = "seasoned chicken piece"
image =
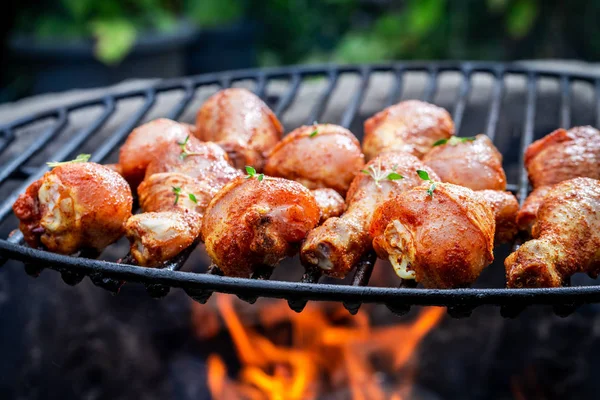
[
  {"x": 330, "y": 203},
  {"x": 527, "y": 213},
  {"x": 241, "y": 123},
  {"x": 174, "y": 195},
  {"x": 75, "y": 206},
  {"x": 159, "y": 236},
  {"x": 253, "y": 222},
  {"x": 411, "y": 126},
  {"x": 145, "y": 143},
  {"x": 442, "y": 240},
  {"x": 317, "y": 156},
  {"x": 470, "y": 162},
  {"x": 563, "y": 155},
  {"x": 566, "y": 238},
  {"x": 338, "y": 244},
  {"x": 505, "y": 208}
]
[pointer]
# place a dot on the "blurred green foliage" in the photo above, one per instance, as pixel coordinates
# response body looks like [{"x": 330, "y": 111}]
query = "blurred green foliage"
[{"x": 293, "y": 31}]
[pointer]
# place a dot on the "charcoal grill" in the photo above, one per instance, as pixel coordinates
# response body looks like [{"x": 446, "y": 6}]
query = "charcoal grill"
[{"x": 199, "y": 286}]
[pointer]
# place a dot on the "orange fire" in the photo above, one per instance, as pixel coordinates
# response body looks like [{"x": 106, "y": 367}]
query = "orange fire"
[{"x": 322, "y": 356}]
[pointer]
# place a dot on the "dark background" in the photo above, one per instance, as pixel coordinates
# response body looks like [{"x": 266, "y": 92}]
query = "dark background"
[{"x": 56, "y": 45}]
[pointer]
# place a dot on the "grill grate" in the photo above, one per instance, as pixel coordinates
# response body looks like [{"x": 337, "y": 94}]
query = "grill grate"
[{"x": 199, "y": 286}]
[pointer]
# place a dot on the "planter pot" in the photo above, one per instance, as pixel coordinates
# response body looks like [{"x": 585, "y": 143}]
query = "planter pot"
[
  {"x": 56, "y": 65},
  {"x": 222, "y": 48}
]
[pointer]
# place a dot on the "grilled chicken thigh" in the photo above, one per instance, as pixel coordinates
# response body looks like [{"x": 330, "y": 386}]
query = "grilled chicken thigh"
[
  {"x": 318, "y": 156},
  {"x": 253, "y": 222},
  {"x": 411, "y": 126},
  {"x": 174, "y": 195},
  {"x": 566, "y": 237},
  {"x": 75, "y": 206},
  {"x": 338, "y": 244},
  {"x": 505, "y": 208},
  {"x": 442, "y": 239},
  {"x": 330, "y": 203},
  {"x": 559, "y": 156},
  {"x": 146, "y": 142},
  {"x": 470, "y": 162},
  {"x": 242, "y": 124}
]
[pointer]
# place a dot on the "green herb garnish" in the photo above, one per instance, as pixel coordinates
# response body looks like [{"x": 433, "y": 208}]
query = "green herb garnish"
[
  {"x": 425, "y": 176},
  {"x": 184, "y": 151},
  {"x": 378, "y": 174},
  {"x": 177, "y": 191},
  {"x": 193, "y": 198},
  {"x": 79, "y": 159},
  {"x": 454, "y": 140},
  {"x": 252, "y": 173}
]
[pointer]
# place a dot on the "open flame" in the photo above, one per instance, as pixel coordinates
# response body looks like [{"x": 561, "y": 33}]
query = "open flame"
[{"x": 322, "y": 356}]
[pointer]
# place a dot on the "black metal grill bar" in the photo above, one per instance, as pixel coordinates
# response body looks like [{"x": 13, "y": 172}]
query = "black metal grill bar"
[
  {"x": 319, "y": 107},
  {"x": 527, "y": 137},
  {"x": 8, "y": 169},
  {"x": 565, "y": 102},
  {"x": 461, "y": 102},
  {"x": 460, "y": 302},
  {"x": 396, "y": 89},
  {"x": 495, "y": 104},
  {"x": 431, "y": 87},
  {"x": 356, "y": 100},
  {"x": 7, "y": 137}
]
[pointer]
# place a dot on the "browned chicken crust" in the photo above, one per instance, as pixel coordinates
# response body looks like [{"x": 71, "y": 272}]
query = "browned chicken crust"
[
  {"x": 338, "y": 244},
  {"x": 241, "y": 123},
  {"x": 505, "y": 208},
  {"x": 474, "y": 164},
  {"x": 566, "y": 238},
  {"x": 411, "y": 126},
  {"x": 441, "y": 241},
  {"x": 251, "y": 223},
  {"x": 330, "y": 203},
  {"x": 528, "y": 212},
  {"x": 564, "y": 154},
  {"x": 145, "y": 143},
  {"x": 318, "y": 156},
  {"x": 74, "y": 206},
  {"x": 172, "y": 221}
]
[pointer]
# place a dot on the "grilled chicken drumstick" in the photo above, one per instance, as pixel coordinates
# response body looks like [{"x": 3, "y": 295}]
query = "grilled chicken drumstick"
[
  {"x": 257, "y": 221},
  {"x": 338, "y": 244},
  {"x": 174, "y": 195},
  {"x": 241, "y": 123},
  {"x": 318, "y": 156},
  {"x": 76, "y": 205},
  {"x": 559, "y": 156},
  {"x": 146, "y": 142},
  {"x": 470, "y": 162},
  {"x": 566, "y": 237},
  {"x": 411, "y": 126},
  {"x": 475, "y": 163},
  {"x": 441, "y": 238}
]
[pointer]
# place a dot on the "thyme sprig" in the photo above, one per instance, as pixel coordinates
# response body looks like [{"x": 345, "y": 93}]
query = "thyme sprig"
[
  {"x": 379, "y": 174},
  {"x": 454, "y": 140},
  {"x": 178, "y": 193},
  {"x": 252, "y": 173},
  {"x": 81, "y": 158},
  {"x": 425, "y": 176},
  {"x": 184, "y": 150}
]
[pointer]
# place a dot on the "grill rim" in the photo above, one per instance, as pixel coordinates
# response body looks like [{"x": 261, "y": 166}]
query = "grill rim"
[{"x": 460, "y": 302}]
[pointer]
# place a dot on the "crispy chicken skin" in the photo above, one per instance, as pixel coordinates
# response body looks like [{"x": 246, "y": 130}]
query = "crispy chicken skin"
[
  {"x": 330, "y": 203},
  {"x": 74, "y": 206},
  {"x": 338, "y": 244},
  {"x": 528, "y": 212},
  {"x": 242, "y": 124},
  {"x": 559, "y": 156},
  {"x": 251, "y": 223},
  {"x": 474, "y": 164},
  {"x": 442, "y": 241},
  {"x": 562, "y": 155},
  {"x": 171, "y": 222},
  {"x": 505, "y": 208},
  {"x": 146, "y": 142},
  {"x": 411, "y": 126},
  {"x": 566, "y": 238},
  {"x": 318, "y": 156}
]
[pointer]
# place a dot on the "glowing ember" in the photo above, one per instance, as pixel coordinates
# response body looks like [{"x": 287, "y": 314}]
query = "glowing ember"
[{"x": 323, "y": 356}]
